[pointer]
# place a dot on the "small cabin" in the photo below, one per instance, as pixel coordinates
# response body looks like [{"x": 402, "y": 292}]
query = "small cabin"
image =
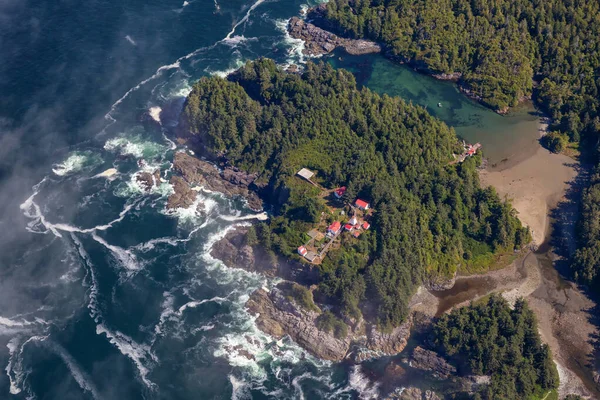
[
  {"x": 302, "y": 250},
  {"x": 348, "y": 227},
  {"x": 361, "y": 204},
  {"x": 339, "y": 192},
  {"x": 334, "y": 228},
  {"x": 356, "y": 233},
  {"x": 306, "y": 174},
  {"x": 365, "y": 225}
]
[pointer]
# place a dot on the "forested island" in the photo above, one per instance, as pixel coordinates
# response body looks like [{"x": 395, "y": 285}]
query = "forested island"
[{"x": 432, "y": 217}]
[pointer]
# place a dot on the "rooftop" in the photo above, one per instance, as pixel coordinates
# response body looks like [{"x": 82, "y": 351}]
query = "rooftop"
[{"x": 306, "y": 174}]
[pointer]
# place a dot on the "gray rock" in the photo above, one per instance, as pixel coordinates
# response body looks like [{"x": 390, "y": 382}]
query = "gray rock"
[
  {"x": 319, "y": 41},
  {"x": 430, "y": 361},
  {"x": 148, "y": 180},
  {"x": 233, "y": 251},
  {"x": 279, "y": 316},
  {"x": 196, "y": 172},
  {"x": 183, "y": 196}
]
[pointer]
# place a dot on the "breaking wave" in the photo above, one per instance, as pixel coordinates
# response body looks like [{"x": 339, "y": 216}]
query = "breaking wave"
[{"x": 75, "y": 162}]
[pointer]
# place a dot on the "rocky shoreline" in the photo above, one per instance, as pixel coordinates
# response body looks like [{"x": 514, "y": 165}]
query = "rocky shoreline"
[
  {"x": 191, "y": 172},
  {"x": 319, "y": 39}
]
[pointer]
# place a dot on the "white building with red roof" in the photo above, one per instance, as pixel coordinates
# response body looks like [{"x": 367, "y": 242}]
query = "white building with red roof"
[
  {"x": 339, "y": 192},
  {"x": 334, "y": 228},
  {"x": 361, "y": 204}
]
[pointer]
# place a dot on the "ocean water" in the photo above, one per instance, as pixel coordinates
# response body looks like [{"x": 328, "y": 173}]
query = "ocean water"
[{"x": 103, "y": 293}]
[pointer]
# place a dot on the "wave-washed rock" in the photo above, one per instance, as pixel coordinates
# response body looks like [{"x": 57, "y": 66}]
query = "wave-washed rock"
[
  {"x": 319, "y": 41},
  {"x": 235, "y": 252},
  {"x": 413, "y": 393},
  {"x": 148, "y": 180},
  {"x": 279, "y": 315},
  {"x": 192, "y": 171}
]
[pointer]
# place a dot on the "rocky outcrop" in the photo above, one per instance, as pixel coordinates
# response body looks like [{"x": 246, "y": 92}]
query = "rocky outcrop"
[
  {"x": 389, "y": 343},
  {"x": 413, "y": 393},
  {"x": 183, "y": 196},
  {"x": 430, "y": 361},
  {"x": 148, "y": 180},
  {"x": 278, "y": 315},
  {"x": 318, "y": 41},
  {"x": 195, "y": 172},
  {"x": 440, "y": 284},
  {"x": 234, "y": 251}
]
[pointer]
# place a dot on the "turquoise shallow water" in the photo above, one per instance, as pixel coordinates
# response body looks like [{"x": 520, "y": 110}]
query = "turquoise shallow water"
[
  {"x": 103, "y": 293},
  {"x": 513, "y": 137}
]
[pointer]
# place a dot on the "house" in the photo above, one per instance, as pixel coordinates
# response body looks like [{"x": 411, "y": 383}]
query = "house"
[
  {"x": 339, "y": 192},
  {"x": 365, "y": 225},
  {"x": 361, "y": 204},
  {"x": 306, "y": 174},
  {"x": 302, "y": 250},
  {"x": 348, "y": 227},
  {"x": 334, "y": 228},
  {"x": 353, "y": 221},
  {"x": 356, "y": 234}
]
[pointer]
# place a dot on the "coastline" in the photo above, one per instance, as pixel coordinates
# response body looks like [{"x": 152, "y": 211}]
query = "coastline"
[
  {"x": 535, "y": 185},
  {"x": 320, "y": 37}
]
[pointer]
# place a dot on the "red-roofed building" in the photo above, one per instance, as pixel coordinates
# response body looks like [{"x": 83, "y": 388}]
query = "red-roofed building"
[
  {"x": 334, "y": 228},
  {"x": 361, "y": 204},
  {"x": 348, "y": 227},
  {"x": 356, "y": 234},
  {"x": 339, "y": 192},
  {"x": 365, "y": 225},
  {"x": 302, "y": 250}
]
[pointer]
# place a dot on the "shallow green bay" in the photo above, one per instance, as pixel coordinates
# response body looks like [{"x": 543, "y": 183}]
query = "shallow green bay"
[{"x": 505, "y": 139}]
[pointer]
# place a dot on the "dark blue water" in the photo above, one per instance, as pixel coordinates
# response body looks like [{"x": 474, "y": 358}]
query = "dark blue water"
[{"x": 103, "y": 293}]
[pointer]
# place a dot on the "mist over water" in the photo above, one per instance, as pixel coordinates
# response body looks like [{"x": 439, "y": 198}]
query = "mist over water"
[{"x": 103, "y": 293}]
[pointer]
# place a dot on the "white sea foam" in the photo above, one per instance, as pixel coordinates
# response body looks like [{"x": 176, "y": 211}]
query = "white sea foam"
[
  {"x": 196, "y": 303},
  {"x": 125, "y": 257},
  {"x": 240, "y": 389},
  {"x": 177, "y": 64},
  {"x": 130, "y": 40},
  {"x": 141, "y": 354},
  {"x": 296, "y": 46},
  {"x": 261, "y": 217},
  {"x": 158, "y": 72},
  {"x": 74, "y": 163},
  {"x": 82, "y": 378},
  {"x": 134, "y": 146},
  {"x": 244, "y": 19},
  {"x": 224, "y": 73},
  {"x": 363, "y": 385},
  {"x": 14, "y": 370},
  {"x": 13, "y": 345}
]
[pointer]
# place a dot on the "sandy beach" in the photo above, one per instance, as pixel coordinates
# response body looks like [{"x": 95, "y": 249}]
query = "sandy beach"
[{"x": 533, "y": 186}]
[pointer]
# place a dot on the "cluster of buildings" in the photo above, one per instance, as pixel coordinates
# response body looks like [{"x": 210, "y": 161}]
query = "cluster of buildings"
[{"x": 355, "y": 226}]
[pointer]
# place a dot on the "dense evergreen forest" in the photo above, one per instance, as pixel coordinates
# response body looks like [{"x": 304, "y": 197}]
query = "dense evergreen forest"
[
  {"x": 430, "y": 217},
  {"x": 491, "y": 339},
  {"x": 506, "y": 49}
]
